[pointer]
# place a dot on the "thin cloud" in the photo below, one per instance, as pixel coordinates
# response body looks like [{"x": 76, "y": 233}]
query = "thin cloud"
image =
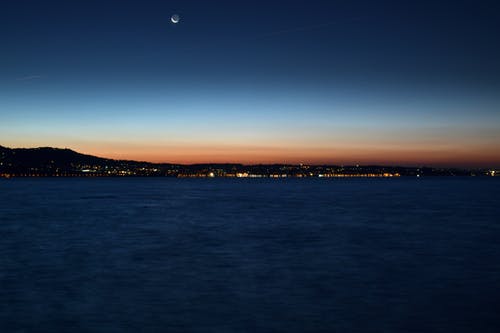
[
  {"x": 291, "y": 30},
  {"x": 310, "y": 27},
  {"x": 29, "y": 78},
  {"x": 304, "y": 28}
]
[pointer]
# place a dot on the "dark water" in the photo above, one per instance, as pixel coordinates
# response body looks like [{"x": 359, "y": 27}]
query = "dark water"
[{"x": 167, "y": 255}]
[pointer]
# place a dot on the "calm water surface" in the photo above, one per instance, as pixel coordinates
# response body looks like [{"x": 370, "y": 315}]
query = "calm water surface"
[{"x": 168, "y": 255}]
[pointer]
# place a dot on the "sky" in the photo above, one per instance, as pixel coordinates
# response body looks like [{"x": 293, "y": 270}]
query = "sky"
[{"x": 338, "y": 82}]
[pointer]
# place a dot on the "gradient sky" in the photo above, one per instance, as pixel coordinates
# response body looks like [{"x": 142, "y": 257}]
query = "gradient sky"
[{"x": 341, "y": 82}]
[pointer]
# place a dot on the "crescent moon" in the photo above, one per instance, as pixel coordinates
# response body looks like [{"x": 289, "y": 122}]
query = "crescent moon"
[{"x": 175, "y": 18}]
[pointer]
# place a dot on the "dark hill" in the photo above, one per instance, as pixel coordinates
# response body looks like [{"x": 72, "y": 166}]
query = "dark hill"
[{"x": 48, "y": 160}]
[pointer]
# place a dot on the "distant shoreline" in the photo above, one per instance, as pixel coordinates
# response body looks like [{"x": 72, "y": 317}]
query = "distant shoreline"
[
  {"x": 55, "y": 162},
  {"x": 361, "y": 176}
]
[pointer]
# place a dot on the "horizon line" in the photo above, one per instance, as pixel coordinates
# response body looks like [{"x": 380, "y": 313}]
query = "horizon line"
[{"x": 265, "y": 163}]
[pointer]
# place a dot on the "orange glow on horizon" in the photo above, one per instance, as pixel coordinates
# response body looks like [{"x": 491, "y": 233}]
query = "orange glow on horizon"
[
  {"x": 445, "y": 155},
  {"x": 334, "y": 156}
]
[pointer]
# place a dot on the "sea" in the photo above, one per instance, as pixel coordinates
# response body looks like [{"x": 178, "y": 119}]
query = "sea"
[{"x": 250, "y": 255}]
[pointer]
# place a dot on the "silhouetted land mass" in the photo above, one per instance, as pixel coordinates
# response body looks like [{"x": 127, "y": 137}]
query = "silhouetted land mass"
[{"x": 46, "y": 161}]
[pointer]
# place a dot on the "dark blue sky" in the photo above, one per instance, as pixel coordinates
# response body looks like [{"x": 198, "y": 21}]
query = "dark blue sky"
[
  {"x": 413, "y": 41},
  {"x": 288, "y": 77}
]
